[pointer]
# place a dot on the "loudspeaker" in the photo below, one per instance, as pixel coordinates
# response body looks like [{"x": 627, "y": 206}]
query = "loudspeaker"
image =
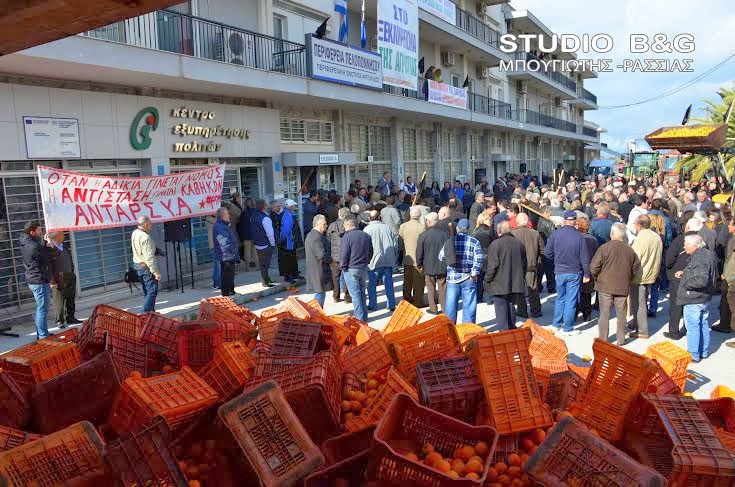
[{"x": 177, "y": 230}]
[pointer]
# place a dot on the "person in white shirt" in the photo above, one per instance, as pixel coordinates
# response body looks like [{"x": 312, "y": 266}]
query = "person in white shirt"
[
  {"x": 144, "y": 262},
  {"x": 640, "y": 208},
  {"x": 409, "y": 187}
]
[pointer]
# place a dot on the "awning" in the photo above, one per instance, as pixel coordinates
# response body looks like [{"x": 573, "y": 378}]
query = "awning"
[{"x": 602, "y": 148}]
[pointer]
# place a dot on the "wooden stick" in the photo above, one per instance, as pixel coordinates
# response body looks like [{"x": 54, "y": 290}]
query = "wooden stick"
[
  {"x": 532, "y": 211},
  {"x": 301, "y": 190},
  {"x": 419, "y": 190}
]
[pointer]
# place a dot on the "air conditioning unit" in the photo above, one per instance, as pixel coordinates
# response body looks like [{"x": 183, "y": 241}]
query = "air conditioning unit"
[
  {"x": 482, "y": 8},
  {"x": 483, "y": 72},
  {"x": 557, "y": 101},
  {"x": 522, "y": 87},
  {"x": 449, "y": 58}
]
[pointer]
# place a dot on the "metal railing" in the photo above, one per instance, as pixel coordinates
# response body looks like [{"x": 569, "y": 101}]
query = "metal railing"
[
  {"x": 179, "y": 33},
  {"x": 589, "y": 132},
  {"x": 536, "y": 118},
  {"x": 555, "y": 76},
  {"x": 588, "y": 96},
  {"x": 477, "y": 28},
  {"x": 483, "y": 104}
]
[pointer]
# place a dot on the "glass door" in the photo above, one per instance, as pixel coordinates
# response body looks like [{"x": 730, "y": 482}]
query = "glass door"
[{"x": 328, "y": 178}]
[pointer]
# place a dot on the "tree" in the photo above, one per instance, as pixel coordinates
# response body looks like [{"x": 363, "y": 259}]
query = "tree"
[{"x": 697, "y": 165}]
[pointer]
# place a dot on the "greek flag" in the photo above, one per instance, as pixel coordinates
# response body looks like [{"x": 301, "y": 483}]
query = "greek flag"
[
  {"x": 340, "y": 6},
  {"x": 363, "y": 31}
]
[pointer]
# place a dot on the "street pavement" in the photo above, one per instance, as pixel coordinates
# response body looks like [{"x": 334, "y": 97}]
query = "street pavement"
[{"x": 710, "y": 372}]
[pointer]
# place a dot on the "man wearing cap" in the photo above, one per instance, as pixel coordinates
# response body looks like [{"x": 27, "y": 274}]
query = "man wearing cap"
[
  {"x": 567, "y": 248},
  {"x": 462, "y": 275}
]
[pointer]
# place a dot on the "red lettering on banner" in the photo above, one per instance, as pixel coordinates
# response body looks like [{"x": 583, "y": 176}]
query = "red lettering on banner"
[
  {"x": 182, "y": 204},
  {"x": 95, "y": 214},
  {"x": 53, "y": 178},
  {"x": 121, "y": 215},
  {"x": 107, "y": 209},
  {"x": 149, "y": 205},
  {"x": 80, "y": 213},
  {"x": 80, "y": 195},
  {"x": 167, "y": 206},
  {"x": 65, "y": 196},
  {"x": 134, "y": 210}
]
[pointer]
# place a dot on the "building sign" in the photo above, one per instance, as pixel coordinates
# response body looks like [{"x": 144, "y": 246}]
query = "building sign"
[
  {"x": 444, "y": 9},
  {"x": 328, "y": 158},
  {"x": 398, "y": 42},
  {"x": 444, "y": 94},
  {"x": 197, "y": 137},
  {"x": 339, "y": 63},
  {"x": 74, "y": 201},
  {"x": 52, "y": 138}
]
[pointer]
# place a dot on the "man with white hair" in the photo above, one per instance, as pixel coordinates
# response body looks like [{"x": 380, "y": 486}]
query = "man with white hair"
[
  {"x": 477, "y": 207},
  {"x": 696, "y": 225},
  {"x": 144, "y": 262},
  {"x": 408, "y": 238},
  {"x": 695, "y": 292},
  {"x": 649, "y": 249},
  {"x": 506, "y": 275},
  {"x": 703, "y": 202},
  {"x": 708, "y": 235},
  {"x": 318, "y": 257},
  {"x": 335, "y": 231},
  {"x": 225, "y": 251},
  {"x": 640, "y": 208},
  {"x": 429, "y": 244},
  {"x": 689, "y": 199},
  {"x": 613, "y": 267}
]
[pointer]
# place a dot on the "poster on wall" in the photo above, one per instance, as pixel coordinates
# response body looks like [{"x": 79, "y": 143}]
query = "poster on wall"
[
  {"x": 52, "y": 138},
  {"x": 398, "y": 42},
  {"x": 444, "y": 9},
  {"x": 75, "y": 201},
  {"x": 448, "y": 95}
]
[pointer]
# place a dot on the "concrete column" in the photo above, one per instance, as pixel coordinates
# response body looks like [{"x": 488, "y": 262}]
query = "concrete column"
[
  {"x": 396, "y": 151},
  {"x": 436, "y": 144},
  {"x": 464, "y": 154},
  {"x": 486, "y": 155}
]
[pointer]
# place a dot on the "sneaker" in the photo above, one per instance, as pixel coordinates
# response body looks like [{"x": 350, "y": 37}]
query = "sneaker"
[{"x": 215, "y": 287}]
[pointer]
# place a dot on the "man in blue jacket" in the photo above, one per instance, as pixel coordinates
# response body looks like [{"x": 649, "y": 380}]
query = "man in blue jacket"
[
  {"x": 601, "y": 225},
  {"x": 571, "y": 256},
  {"x": 225, "y": 250}
]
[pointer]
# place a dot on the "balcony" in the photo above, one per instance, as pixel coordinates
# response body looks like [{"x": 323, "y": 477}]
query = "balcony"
[
  {"x": 536, "y": 118},
  {"x": 495, "y": 108},
  {"x": 589, "y": 96},
  {"x": 477, "y": 28},
  {"x": 193, "y": 36},
  {"x": 589, "y": 132},
  {"x": 585, "y": 100},
  {"x": 563, "y": 84}
]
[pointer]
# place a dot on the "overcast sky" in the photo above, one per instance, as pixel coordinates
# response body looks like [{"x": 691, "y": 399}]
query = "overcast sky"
[{"x": 711, "y": 22}]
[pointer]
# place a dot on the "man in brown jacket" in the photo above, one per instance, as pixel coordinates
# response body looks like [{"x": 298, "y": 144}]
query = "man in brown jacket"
[
  {"x": 649, "y": 248},
  {"x": 534, "y": 246},
  {"x": 613, "y": 268},
  {"x": 413, "y": 278}
]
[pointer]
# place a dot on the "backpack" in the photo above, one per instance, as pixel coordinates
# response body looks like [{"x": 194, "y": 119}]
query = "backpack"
[{"x": 131, "y": 278}]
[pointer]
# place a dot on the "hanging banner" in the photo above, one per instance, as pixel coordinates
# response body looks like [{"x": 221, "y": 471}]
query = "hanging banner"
[
  {"x": 398, "y": 42},
  {"x": 75, "y": 201},
  {"x": 331, "y": 61},
  {"x": 444, "y": 94},
  {"x": 444, "y": 9}
]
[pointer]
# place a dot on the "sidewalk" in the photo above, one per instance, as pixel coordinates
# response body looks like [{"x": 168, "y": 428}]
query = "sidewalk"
[{"x": 170, "y": 303}]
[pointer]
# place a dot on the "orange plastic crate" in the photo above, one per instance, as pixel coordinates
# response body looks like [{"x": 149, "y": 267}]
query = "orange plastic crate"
[
  {"x": 11, "y": 438},
  {"x": 661, "y": 383},
  {"x": 543, "y": 377},
  {"x": 229, "y": 370},
  {"x": 179, "y": 397},
  {"x": 267, "y": 327},
  {"x": 224, "y": 310},
  {"x": 270, "y": 443},
  {"x": 395, "y": 384},
  {"x": 550, "y": 365},
  {"x": 450, "y": 386},
  {"x": 115, "y": 321},
  {"x": 721, "y": 413},
  {"x": 298, "y": 308},
  {"x": 511, "y": 389},
  {"x": 364, "y": 333},
  {"x": 72, "y": 456},
  {"x": 196, "y": 342},
  {"x": 405, "y": 316},
  {"x": 672, "y": 435},
  {"x": 160, "y": 330},
  {"x": 371, "y": 356},
  {"x": 572, "y": 455},
  {"x": 615, "y": 380},
  {"x": 722, "y": 391},
  {"x": 344, "y": 446},
  {"x": 89, "y": 341},
  {"x": 583, "y": 372},
  {"x": 66, "y": 336},
  {"x": 408, "y": 423},
  {"x": 423, "y": 342},
  {"x": 39, "y": 361},
  {"x": 673, "y": 360},
  {"x": 347, "y": 472},
  {"x": 544, "y": 344},
  {"x": 563, "y": 389},
  {"x": 15, "y": 410},
  {"x": 467, "y": 331}
]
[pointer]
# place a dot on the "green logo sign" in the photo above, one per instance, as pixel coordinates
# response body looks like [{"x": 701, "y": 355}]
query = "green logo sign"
[{"x": 140, "y": 135}]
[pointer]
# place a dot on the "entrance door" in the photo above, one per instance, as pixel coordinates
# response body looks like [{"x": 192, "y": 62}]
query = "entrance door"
[
  {"x": 328, "y": 177},
  {"x": 250, "y": 183}
]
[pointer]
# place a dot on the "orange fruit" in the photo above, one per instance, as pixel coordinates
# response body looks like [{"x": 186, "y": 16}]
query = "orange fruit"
[
  {"x": 412, "y": 456},
  {"x": 372, "y": 384},
  {"x": 516, "y": 483},
  {"x": 372, "y": 393},
  {"x": 504, "y": 480},
  {"x": 493, "y": 484},
  {"x": 453, "y": 474},
  {"x": 501, "y": 468},
  {"x": 524, "y": 459},
  {"x": 479, "y": 459},
  {"x": 514, "y": 459},
  {"x": 443, "y": 466},
  {"x": 136, "y": 374},
  {"x": 474, "y": 466},
  {"x": 539, "y": 436},
  {"x": 466, "y": 452},
  {"x": 194, "y": 483},
  {"x": 427, "y": 448},
  {"x": 532, "y": 451},
  {"x": 527, "y": 444},
  {"x": 346, "y": 406},
  {"x": 433, "y": 458},
  {"x": 350, "y": 395},
  {"x": 458, "y": 466},
  {"x": 514, "y": 471},
  {"x": 356, "y": 406},
  {"x": 525, "y": 480},
  {"x": 472, "y": 476},
  {"x": 360, "y": 396},
  {"x": 492, "y": 474},
  {"x": 348, "y": 416},
  {"x": 481, "y": 448}
]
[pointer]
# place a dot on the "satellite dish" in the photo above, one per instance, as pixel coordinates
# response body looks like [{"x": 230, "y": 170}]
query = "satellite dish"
[{"x": 236, "y": 43}]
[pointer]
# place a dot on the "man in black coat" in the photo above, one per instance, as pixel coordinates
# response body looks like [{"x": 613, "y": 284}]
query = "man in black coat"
[
  {"x": 63, "y": 282},
  {"x": 484, "y": 233},
  {"x": 429, "y": 245},
  {"x": 37, "y": 260},
  {"x": 505, "y": 276},
  {"x": 318, "y": 276}
]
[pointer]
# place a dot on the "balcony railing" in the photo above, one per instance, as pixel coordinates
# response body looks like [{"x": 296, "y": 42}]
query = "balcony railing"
[
  {"x": 589, "y": 132},
  {"x": 588, "y": 96},
  {"x": 536, "y": 118},
  {"x": 477, "y": 28},
  {"x": 193, "y": 36},
  {"x": 482, "y": 104},
  {"x": 555, "y": 76}
]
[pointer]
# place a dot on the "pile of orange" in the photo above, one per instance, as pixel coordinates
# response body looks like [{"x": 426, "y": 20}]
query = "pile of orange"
[
  {"x": 467, "y": 461},
  {"x": 198, "y": 461},
  {"x": 354, "y": 401}
]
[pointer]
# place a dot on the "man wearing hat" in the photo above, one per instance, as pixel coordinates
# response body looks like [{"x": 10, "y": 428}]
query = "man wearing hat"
[
  {"x": 463, "y": 273},
  {"x": 571, "y": 256}
]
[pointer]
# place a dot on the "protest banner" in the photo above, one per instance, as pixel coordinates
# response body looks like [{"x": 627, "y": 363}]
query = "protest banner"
[
  {"x": 75, "y": 201},
  {"x": 444, "y": 9},
  {"x": 448, "y": 95},
  {"x": 398, "y": 42}
]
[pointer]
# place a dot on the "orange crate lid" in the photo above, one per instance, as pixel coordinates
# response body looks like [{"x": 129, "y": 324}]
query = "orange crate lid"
[
  {"x": 11, "y": 438},
  {"x": 271, "y": 438},
  {"x": 405, "y": 316}
]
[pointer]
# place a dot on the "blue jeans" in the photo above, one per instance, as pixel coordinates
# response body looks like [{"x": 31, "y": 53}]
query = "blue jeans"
[
  {"x": 320, "y": 297},
  {"x": 42, "y": 295},
  {"x": 468, "y": 290},
  {"x": 150, "y": 288},
  {"x": 386, "y": 273},
  {"x": 567, "y": 294},
  {"x": 696, "y": 320},
  {"x": 216, "y": 271},
  {"x": 356, "y": 280}
]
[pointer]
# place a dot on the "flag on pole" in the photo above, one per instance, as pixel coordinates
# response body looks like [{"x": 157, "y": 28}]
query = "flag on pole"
[
  {"x": 340, "y": 6},
  {"x": 363, "y": 31}
]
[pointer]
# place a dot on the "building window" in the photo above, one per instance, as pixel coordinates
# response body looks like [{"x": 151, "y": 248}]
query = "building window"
[
  {"x": 300, "y": 131},
  {"x": 455, "y": 80},
  {"x": 279, "y": 27},
  {"x": 418, "y": 155},
  {"x": 369, "y": 141}
]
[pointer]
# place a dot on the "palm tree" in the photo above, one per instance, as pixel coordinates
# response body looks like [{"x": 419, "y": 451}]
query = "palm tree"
[{"x": 697, "y": 165}]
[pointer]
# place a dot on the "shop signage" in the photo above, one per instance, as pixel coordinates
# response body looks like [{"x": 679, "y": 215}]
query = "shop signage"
[
  {"x": 340, "y": 63},
  {"x": 398, "y": 42},
  {"x": 52, "y": 138},
  {"x": 74, "y": 201},
  {"x": 328, "y": 158},
  {"x": 140, "y": 134},
  {"x": 444, "y": 94},
  {"x": 444, "y": 9}
]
